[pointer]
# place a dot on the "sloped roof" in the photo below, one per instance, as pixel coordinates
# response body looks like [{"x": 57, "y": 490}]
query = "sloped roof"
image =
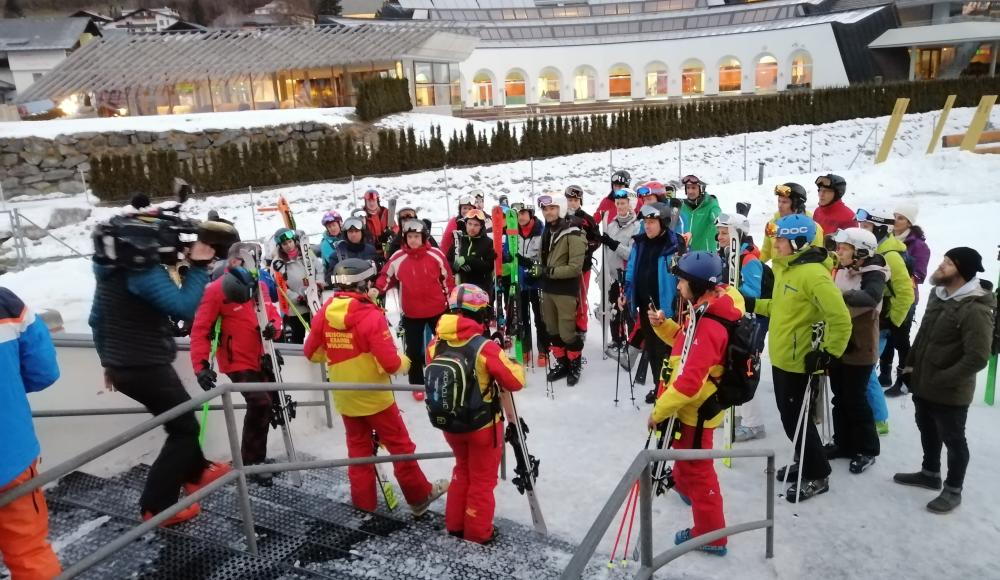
[
  {"x": 21, "y": 34},
  {"x": 154, "y": 60}
]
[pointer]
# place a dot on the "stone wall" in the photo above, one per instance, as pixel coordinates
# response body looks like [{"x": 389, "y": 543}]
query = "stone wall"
[{"x": 36, "y": 165}]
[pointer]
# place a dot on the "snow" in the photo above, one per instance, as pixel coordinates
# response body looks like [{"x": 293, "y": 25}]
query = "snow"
[{"x": 866, "y": 526}]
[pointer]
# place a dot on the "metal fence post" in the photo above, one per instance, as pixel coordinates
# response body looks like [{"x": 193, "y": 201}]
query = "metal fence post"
[
  {"x": 532, "y": 164},
  {"x": 811, "y": 132},
  {"x": 645, "y": 518},
  {"x": 680, "y": 148},
  {"x": 253, "y": 212},
  {"x": 83, "y": 179},
  {"x": 241, "y": 480},
  {"x": 744, "y": 157},
  {"x": 760, "y": 173},
  {"x": 354, "y": 192},
  {"x": 769, "y": 532}
]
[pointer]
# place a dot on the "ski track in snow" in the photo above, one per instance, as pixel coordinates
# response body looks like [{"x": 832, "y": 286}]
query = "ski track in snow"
[{"x": 865, "y": 526}]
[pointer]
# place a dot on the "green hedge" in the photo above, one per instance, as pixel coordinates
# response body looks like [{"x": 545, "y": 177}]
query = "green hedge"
[
  {"x": 378, "y": 97},
  {"x": 266, "y": 163}
]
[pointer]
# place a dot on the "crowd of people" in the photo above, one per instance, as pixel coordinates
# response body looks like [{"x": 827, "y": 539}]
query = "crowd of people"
[{"x": 660, "y": 253}]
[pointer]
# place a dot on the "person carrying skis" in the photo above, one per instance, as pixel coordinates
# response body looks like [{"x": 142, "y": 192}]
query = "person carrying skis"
[
  {"x": 560, "y": 267},
  {"x": 465, "y": 203},
  {"x": 897, "y": 302},
  {"x": 352, "y": 246},
  {"x": 351, "y": 335},
  {"x": 804, "y": 294},
  {"x": 472, "y": 257},
  {"x": 698, "y": 214},
  {"x": 912, "y": 235},
  {"x": 618, "y": 240},
  {"x": 691, "y": 384},
  {"x": 293, "y": 281},
  {"x": 228, "y": 301},
  {"x": 606, "y": 212},
  {"x": 861, "y": 276},
  {"x": 650, "y": 282},
  {"x": 133, "y": 336},
  {"x": 529, "y": 230},
  {"x": 29, "y": 365},
  {"x": 952, "y": 345},
  {"x": 376, "y": 223},
  {"x": 470, "y": 506},
  {"x": 592, "y": 232},
  {"x": 424, "y": 279},
  {"x": 832, "y": 213},
  {"x": 751, "y": 277},
  {"x": 791, "y": 201}
]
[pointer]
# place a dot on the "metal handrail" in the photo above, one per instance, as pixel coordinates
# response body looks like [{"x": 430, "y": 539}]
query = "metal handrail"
[
  {"x": 56, "y": 413},
  {"x": 239, "y": 472},
  {"x": 640, "y": 469}
]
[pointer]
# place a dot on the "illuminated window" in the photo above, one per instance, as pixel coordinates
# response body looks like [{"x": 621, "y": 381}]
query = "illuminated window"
[
  {"x": 656, "y": 79},
  {"x": 730, "y": 75},
  {"x": 584, "y": 83},
  {"x": 620, "y": 82},
  {"x": 513, "y": 87},
  {"x": 692, "y": 78},
  {"x": 548, "y": 86},
  {"x": 801, "y": 74},
  {"x": 482, "y": 88},
  {"x": 766, "y": 74}
]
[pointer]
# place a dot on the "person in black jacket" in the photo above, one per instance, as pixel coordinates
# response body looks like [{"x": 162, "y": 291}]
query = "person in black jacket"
[
  {"x": 472, "y": 255},
  {"x": 592, "y": 232}
]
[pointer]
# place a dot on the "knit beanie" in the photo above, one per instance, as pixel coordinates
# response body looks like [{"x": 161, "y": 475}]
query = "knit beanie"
[
  {"x": 909, "y": 211},
  {"x": 966, "y": 260}
]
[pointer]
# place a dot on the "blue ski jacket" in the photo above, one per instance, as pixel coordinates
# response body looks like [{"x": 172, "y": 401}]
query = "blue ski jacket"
[{"x": 666, "y": 281}]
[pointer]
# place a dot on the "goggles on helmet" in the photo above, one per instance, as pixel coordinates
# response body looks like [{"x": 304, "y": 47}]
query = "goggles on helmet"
[
  {"x": 824, "y": 181},
  {"x": 574, "y": 191},
  {"x": 287, "y": 235},
  {"x": 783, "y": 190},
  {"x": 648, "y": 212},
  {"x": 691, "y": 179},
  {"x": 476, "y": 214},
  {"x": 354, "y": 224},
  {"x": 624, "y": 194},
  {"x": 544, "y": 200},
  {"x": 641, "y": 191}
]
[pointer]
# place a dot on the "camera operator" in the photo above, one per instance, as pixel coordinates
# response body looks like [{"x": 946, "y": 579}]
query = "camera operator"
[{"x": 134, "y": 301}]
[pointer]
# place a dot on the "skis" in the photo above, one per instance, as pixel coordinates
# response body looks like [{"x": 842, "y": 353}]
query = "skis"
[
  {"x": 514, "y": 294},
  {"x": 313, "y": 299},
  {"x": 526, "y": 466},
  {"x": 497, "y": 217},
  {"x": 388, "y": 491},
  {"x": 733, "y": 262},
  {"x": 991, "y": 369},
  {"x": 283, "y": 408}
]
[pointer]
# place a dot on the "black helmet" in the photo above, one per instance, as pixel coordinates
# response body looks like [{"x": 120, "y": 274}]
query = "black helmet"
[
  {"x": 238, "y": 285},
  {"x": 353, "y": 274},
  {"x": 835, "y": 182},
  {"x": 621, "y": 177},
  {"x": 573, "y": 191},
  {"x": 658, "y": 210},
  {"x": 795, "y": 192}
]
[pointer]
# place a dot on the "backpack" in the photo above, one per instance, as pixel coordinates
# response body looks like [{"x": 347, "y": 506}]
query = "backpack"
[
  {"x": 453, "y": 399},
  {"x": 741, "y": 374}
]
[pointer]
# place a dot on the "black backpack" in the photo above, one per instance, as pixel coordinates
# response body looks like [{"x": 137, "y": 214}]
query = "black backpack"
[
  {"x": 453, "y": 398},
  {"x": 741, "y": 373}
]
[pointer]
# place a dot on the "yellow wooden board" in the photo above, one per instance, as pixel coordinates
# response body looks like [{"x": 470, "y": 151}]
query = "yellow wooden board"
[
  {"x": 978, "y": 123},
  {"x": 939, "y": 128},
  {"x": 890, "y": 131}
]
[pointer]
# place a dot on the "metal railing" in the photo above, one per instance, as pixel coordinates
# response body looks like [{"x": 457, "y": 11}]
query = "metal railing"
[
  {"x": 238, "y": 474},
  {"x": 640, "y": 469}
]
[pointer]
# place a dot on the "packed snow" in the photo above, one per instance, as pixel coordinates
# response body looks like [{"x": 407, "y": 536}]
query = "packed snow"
[{"x": 866, "y": 526}]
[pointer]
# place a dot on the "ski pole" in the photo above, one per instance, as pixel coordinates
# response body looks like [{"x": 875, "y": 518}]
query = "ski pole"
[
  {"x": 802, "y": 448},
  {"x": 621, "y": 526},
  {"x": 795, "y": 436},
  {"x": 216, "y": 334},
  {"x": 295, "y": 310}
]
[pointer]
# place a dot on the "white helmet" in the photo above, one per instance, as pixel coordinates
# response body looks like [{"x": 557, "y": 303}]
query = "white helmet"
[
  {"x": 556, "y": 199},
  {"x": 876, "y": 215},
  {"x": 864, "y": 242},
  {"x": 467, "y": 199},
  {"x": 740, "y": 222}
]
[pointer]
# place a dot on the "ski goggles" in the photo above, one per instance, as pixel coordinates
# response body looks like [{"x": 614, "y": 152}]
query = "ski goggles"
[
  {"x": 287, "y": 235},
  {"x": 771, "y": 230},
  {"x": 641, "y": 191},
  {"x": 783, "y": 190},
  {"x": 413, "y": 226},
  {"x": 624, "y": 193},
  {"x": 574, "y": 191},
  {"x": 864, "y": 215},
  {"x": 371, "y": 194},
  {"x": 691, "y": 179},
  {"x": 354, "y": 224},
  {"x": 824, "y": 181},
  {"x": 332, "y": 216},
  {"x": 544, "y": 201},
  {"x": 407, "y": 216},
  {"x": 648, "y": 212},
  {"x": 519, "y": 207},
  {"x": 476, "y": 214}
]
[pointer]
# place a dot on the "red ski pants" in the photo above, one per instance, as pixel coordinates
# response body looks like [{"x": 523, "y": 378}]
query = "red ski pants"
[
  {"x": 581, "y": 307},
  {"x": 394, "y": 436},
  {"x": 697, "y": 480},
  {"x": 470, "y": 496},
  {"x": 24, "y": 525}
]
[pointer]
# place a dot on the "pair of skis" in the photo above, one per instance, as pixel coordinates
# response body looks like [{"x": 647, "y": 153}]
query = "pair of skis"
[{"x": 526, "y": 465}]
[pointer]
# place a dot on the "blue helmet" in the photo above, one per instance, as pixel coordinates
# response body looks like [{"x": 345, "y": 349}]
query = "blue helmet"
[
  {"x": 799, "y": 229},
  {"x": 703, "y": 268}
]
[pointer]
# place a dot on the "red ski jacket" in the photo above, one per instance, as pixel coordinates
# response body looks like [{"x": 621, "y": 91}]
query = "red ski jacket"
[
  {"x": 424, "y": 279},
  {"x": 833, "y": 217},
  {"x": 240, "y": 347}
]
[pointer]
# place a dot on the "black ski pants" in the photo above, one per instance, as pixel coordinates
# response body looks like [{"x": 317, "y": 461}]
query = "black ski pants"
[
  {"x": 159, "y": 389},
  {"x": 656, "y": 350},
  {"x": 943, "y": 425},
  {"x": 853, "y": 422},
  {"x": 293, "y": 330},
  {"x": 531, "y": 300},
  {"x": 789, "y": 390},
  {"x": 899, "y": 340},
  {"x": 257, "y": 421},
  {"x": 414, "y": 330}
]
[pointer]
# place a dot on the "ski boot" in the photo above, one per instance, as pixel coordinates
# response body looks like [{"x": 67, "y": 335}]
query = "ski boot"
[
  {"x": 925, "y": 479},
  {"x": 651, "y": 397},
  {"x": 885, "y": 376},
  {"x": 211, "y": 472},
  {"x": 613, "y": 350},
  {"x": 437, "y": 490},
  {"x": 526, "y": 358},
  {"x": 882, "y": 427},
  {"x": 950, "y": 498},
  {"x": 833, "y": 451},
  {"x": 575, "y": 368},
  {"x": 793, "y": 472},
  {"x": 744, "y": 433},
  {"x": 685, "y": 535},
  {"x": 860, "y": 462},
  {"x": 558, "y": 370},
  {"x": 810, "y": 489},
  {"x": 180, "y": 517}
]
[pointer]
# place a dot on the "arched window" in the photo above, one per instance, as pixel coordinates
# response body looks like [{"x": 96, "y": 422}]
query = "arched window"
[
  {"x": 656, "y": 79},
  {"x": 692, "y": 77},
  {"x": 549, "y": 81},
  {"x": 584, "y": 84},
  {"x": 482, "y": 89},
  {"x": 513, "y": 86},
  {"x": 766, "y": 75},
  {"x": 730, "y": 75},
  {"x": 802, "y": 71},
  {"x": 620, "y": 82}
]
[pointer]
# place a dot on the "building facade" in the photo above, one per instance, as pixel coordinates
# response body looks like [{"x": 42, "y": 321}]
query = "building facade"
[{"x": 31, "y": 48}]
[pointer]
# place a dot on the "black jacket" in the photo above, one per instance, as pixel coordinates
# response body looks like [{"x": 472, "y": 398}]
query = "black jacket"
[
  {"x": 479, "y": 256},
  {"x": 591, "y": 230}
]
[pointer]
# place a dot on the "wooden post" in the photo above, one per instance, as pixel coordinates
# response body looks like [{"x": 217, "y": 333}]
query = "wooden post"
[
  {"x": 939, "y": 128},
  {"x": 890, "y": 131},
  {"x": 978, "y": 123}
]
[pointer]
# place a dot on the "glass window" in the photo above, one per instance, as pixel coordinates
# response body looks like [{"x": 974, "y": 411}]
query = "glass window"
[
  {"x": 548, "y": 86},
  {"x": 692, "y": 78},
  {"x": 441, "y": 72},
  {"x": 766, "y": 74},
  {"x": 584, "y": 84},
  {"x": 514, "y": 88},
  {"x": 730, "y": 76},
  {"x": 422, "y": 73},
  {"x": 482, "y": 90},
  {"x": 656, "y": 80},
  {"x": 620, "y": 82},
  {"x": 801, "y": 76}
]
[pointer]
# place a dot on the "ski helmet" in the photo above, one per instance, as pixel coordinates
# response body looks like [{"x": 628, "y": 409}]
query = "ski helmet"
[
  {"x": 735, "y": 220},
  {"x": 332, "y": 216},
  {"x": 574, "y": 191},
  {"x": 621, "y": 177},
  {"x": 466, "y": 199},
  {"x": 672, "y": 187},
  {"x": 284, "y": 234},
  {"x": 476, "y": 214},
  {"x": 835, "y": 182},
  {"x": 882, "y": 219},
  {"x": 414, "y": 226},
  {"x": 371, "y": 193},
  {"x": 797, "y": 228},
  {"x": 660, "y": 211},
  {"x": 469, "y": 300},
  {"x": 556, "y": 199},
  {"x": 411, "y": 214},
  {"x": 354, "y": 223},
  {"x": 658, "y": 189},
  {"x": 238, "y": 285},
  {"x": 702, "y": 270},
  {"x": 644, "y": 191},
  {"x": 862, "y": 240},
  {"x": 794, "y": 192},
  {"x": 353, "y": 274},
  {"x": 520, "y": 206},
  {"x": 694, "y": 179}
]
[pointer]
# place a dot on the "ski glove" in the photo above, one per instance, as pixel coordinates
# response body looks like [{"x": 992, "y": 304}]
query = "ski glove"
[
  {"x": 675, "y": 202},
  {"x": 817, "y": 361},
  {"x": 278, "y": 265},
  {"x": 269, "y": 332},
  {"x": 206, "y": 377},
  {"x": 525, "y": 262},
  {"x": 610, "y": 242},
  {"x": 537, "y": 271},
  {"x": 459, "y": 262}
]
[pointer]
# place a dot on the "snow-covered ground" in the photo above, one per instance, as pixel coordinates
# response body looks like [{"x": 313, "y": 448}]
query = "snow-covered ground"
[{"x": 866, "y": 526}]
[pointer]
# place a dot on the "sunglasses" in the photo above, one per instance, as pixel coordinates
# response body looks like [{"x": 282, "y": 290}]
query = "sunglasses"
[
  {"x": 782, "y": 190},
  {"x": 690, "y": 179},
  {"x": 824, "y": 181}
]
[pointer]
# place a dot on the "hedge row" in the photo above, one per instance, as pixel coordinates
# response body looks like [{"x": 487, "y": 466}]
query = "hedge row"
[{"x": 378, "y": 97}]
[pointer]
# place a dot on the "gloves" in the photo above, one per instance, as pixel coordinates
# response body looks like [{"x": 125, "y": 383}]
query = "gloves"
[
  {"x": 206, "y": 376},
  {"x": 829, "y": 244},
  {"x": 525, "y": 262},
  {"x": 817, "y": 361},
  {"x": 287, "y": 333},
  {"x": 465, "y": 268},
  {"x": 537, "y": 271},
  {"x": 301, "y": 299},
  {"x": 675, "y": 202},
  {"x": 373, "y": 294},
  {"x": 459, "y": 262},
  {"x": 743, "y": 208},
  {"x": 610, "y": 242},
  {"x": 269, "y": 332}
]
